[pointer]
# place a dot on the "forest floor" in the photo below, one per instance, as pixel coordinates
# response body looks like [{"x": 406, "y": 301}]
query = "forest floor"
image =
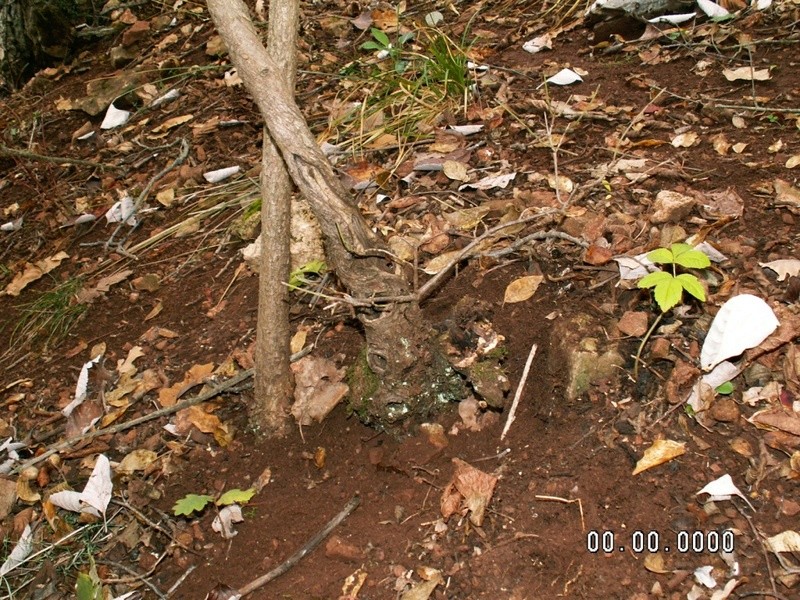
[{"x": 687, "y": 133}]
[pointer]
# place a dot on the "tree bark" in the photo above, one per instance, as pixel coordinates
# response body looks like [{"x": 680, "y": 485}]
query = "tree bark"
[
  {"x": 397, "y": 338},
  {"x": 33, "y": 34},
  {"x": 273, "y": 385}
]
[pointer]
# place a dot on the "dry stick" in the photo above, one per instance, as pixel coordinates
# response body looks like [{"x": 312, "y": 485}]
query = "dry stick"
[
  {"x": 434, "y": 281},
  {"x": 566, "y": 501},
  {"x": 182, "y": 155},
  {"x": 518, "y": 394},
  {"x": 62, "y": 160},
  {"x": 305, "y": 549},
  {"x": 215, "y": 391},
  {"x": 143, "y": 419}
]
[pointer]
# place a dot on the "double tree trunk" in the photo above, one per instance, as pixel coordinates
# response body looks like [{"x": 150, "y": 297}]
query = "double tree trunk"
[
  {"x": 397, "y": 352},
  {"x": 273, "y": 385}
]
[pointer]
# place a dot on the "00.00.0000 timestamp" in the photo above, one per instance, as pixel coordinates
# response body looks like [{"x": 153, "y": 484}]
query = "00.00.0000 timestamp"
[{"x": 651, "y": 541}]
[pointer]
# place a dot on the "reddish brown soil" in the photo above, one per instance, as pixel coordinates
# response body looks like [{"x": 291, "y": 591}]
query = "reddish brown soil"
[{"x": 564, "y": 469}]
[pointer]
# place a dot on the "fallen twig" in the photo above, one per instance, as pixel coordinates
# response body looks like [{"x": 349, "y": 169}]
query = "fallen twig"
[
  {"x": 226, "y": 593},
  {"x": 184, "y": 152},
  {"x": 566, "y": 501},
  {"x": 89, "y": 435},
  {"x": 61, "y": 160},
  {"x": 207, "y": 395},
  {"x": 518, "y": 394}
]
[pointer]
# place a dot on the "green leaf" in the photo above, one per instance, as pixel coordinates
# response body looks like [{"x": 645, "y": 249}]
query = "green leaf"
[
  {"x": 87, "y": 588},
  {"x": 297, "y": 277},
  {"x": 661, "y": 256},
  {"x": 406, "y": 37},
  {"x": 371, "y": 46},
  {"x": 381, "y": 37},
  {"x": 692, "y": 286},
  {"x": 236, "y": 496},
  {"x": 668, "y": 293},
  {"x": 726, "y": 389},
  {"x": 690, "y": 258},
  {"x": 653, "y": 279},
  {"x": 190, "y": 503}
]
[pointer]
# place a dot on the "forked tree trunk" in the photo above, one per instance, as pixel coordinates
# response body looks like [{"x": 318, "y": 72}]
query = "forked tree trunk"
[
  {"x": 273, "y": 386},
  {"x": 400, "y": 363}
]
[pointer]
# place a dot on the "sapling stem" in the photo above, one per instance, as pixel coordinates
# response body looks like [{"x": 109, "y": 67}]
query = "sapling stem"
[{"x": 637, "y": 358}]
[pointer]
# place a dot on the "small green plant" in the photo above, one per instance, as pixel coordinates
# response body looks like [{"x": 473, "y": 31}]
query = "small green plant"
[
  {"x": 192, "y": 503},
  {"x": 381, "y": 43},
  {"x": 668, "y": 286},
  {"x": 726, "y": 389},
  {"x": 299, "y": 277}
]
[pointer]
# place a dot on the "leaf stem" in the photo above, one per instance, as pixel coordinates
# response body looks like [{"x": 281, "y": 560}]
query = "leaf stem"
[{"x": 637, "y": 358}]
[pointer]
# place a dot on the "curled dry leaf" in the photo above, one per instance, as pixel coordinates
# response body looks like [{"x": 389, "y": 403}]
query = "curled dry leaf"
[
  {"x": 777, "y": 417},
  {"x": 787, "y": 267},
  {"x": 785, "y": 541},
  {"x": 223, "y": 522},
  {"x": 469, "y": 486},
  {"x": 318, "y": 388},
  {"x": 658, "y": 453}
]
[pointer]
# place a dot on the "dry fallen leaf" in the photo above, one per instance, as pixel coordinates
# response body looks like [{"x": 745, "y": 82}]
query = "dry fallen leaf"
[
  {"x": 787, "y": 267},
  {"x": 137, "y": 460},
  {"x": 194, "y": 376},
  {"x": 33, "y": 272},
  {"x": 455, "y": 170},
  {"x": 746, "y": 74},
  {"x": 318, "y": 389},
  {"x": 473, "y": 487},
  {"x": 521, "y": 289},
  {"x": 658, "y": 453},
  {"x": 685, "y": 140}
]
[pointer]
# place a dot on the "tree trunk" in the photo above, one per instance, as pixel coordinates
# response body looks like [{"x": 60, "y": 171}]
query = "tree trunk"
[
  {"x": 400, "y": 365},
  {"x": 273, "y": 385},
  {"x": 34, "y": 33}
]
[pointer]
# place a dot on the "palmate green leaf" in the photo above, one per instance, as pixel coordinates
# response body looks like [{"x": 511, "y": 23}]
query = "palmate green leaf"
[
  {"x": 668, "y": 293},
  {"x": 661, "y": 256},
  {"x": 236, "y": 496},
  {"x": 190, "y": 503},
  {"x": 690, "y": 283},
  {"x": 653, "y": 279},
  {"x": 686, "y": 256}
]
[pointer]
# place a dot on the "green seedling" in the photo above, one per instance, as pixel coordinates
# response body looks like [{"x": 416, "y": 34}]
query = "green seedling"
[
  {"x": 381, "y": 43},
  {"x": 192, "y": 503},
  {"x": 726, "y": 389},
  {"x": 668, "y": 286},
  {"x": 88, "y": 586},
  {"x": 299, "y": 277}
]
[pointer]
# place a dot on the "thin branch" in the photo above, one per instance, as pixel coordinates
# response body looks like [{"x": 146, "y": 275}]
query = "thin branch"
[
  {"x": 182, "y": 155},
  {"x": 89, "y": 435},
  {"x": 467, "y": 251},
  {"x": 305, "y": 549},
  {"x": 61, "y": 160},
  {"x": 512, "y": 412}
]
